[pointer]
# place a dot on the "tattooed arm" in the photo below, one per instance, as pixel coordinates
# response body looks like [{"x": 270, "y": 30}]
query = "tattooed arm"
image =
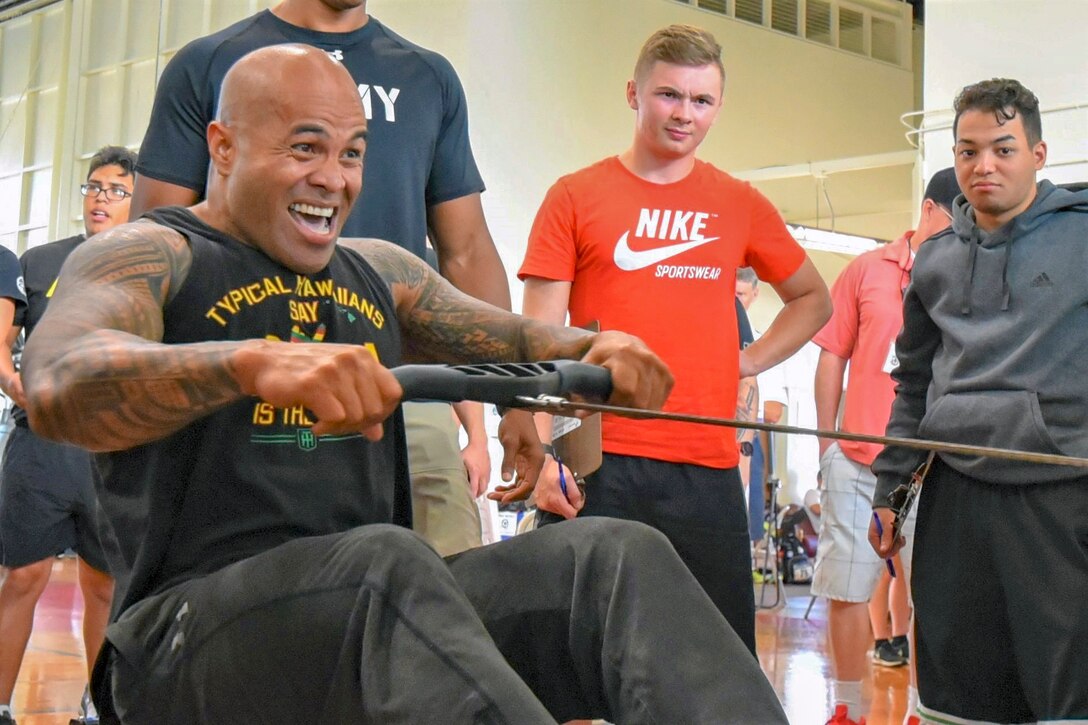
[
  {"x": 747, "y": 407},
  {"x": 92, "y": 371},
  {"x": 441, "y": 324},
  {"x": 97, "y": 375}
]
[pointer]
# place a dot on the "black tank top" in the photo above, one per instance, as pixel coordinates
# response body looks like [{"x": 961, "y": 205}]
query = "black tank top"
[{"x": 251, "y": 477}]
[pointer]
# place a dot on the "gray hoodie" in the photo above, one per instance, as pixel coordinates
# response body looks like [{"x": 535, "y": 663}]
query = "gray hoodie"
[{"x": 994, "y": 346}]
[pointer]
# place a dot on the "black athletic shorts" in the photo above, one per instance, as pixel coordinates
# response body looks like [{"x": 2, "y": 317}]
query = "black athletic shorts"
[{"x": 47, "y": 502}]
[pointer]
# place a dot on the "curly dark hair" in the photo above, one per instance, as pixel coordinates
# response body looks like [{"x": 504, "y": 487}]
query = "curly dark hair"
[
  {"x": 1005, "y": 98},
  {"x": 114, "y": 156}
]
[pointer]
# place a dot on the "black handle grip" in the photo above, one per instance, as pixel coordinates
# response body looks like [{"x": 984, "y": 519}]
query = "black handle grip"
[{"x": 502, "y": 383}]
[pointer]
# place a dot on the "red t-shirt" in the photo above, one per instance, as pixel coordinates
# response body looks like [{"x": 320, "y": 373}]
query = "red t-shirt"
[
  {"x": 868, "y": 303},
  {"x": 659, "y": 261}
]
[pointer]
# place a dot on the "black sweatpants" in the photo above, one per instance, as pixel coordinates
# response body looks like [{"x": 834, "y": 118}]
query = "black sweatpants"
[
  {"x": 702, "y": 513},
  {"x": 1000, "y": 587},
  {"x": 591, "y": 618}
]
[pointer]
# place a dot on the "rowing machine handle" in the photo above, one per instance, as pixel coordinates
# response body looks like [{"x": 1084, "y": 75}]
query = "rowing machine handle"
[{"x": 502, "y": 383}]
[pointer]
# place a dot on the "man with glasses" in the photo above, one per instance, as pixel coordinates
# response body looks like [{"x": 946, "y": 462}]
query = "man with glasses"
[
  {"x": 868, "y": 314},
  {"x": 47, "y": 501}
]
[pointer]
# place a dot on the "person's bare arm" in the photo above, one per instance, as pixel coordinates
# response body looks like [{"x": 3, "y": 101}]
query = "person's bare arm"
[
  {"x": 467, "y": 256},
  {"x": 442, "y": 324},
  {"x": 475, "y": 455},
  {"x": 747, "y": 407},
  {"x": 807, "y": 308},
  {"x": 547, "y": 300},
  {"x": 97, "y": 375},
  {"x": 151, "y": 193},
  {"x": 92, "y": 371},
  {"x": 830, "y": 370},
  {"x": 10, "y": 381}
]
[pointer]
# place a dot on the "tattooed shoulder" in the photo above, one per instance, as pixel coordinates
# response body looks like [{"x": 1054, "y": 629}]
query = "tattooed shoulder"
[
  {"x": 154, "y": 257},
  {"x": 401, "y": 270}
]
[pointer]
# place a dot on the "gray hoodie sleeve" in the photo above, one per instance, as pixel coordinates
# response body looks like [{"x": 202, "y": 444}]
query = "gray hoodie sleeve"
[{"x": 915, "y": 347}]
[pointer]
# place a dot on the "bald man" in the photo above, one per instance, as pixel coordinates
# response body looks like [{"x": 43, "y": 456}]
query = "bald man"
[{"x": 254, "y": 484}]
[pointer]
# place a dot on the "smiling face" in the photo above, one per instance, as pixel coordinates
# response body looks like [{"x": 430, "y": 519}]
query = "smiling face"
[
  {"x": 289, "y": 158},
  {"x": 676, "y": 105},
  {"x": 996, "y": 166},
  {"x": 100, "y": 213}
]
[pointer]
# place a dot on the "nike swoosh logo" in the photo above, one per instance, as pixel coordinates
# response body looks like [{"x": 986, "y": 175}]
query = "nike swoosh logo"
[{"x": 629, "y": 260}]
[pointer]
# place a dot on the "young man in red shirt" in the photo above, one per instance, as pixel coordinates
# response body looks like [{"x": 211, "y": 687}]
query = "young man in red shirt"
[{"x": 649, "y": 242}]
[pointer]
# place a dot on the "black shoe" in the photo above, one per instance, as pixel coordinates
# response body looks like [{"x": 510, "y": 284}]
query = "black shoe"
[
  {"x": 902, "y": 643},
  {"x": 7, "y": 719},
  {"x": 886, "y": 654}
]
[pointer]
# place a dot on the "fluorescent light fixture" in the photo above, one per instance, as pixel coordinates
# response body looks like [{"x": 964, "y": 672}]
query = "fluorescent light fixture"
[{"x": 827, "y": 241}]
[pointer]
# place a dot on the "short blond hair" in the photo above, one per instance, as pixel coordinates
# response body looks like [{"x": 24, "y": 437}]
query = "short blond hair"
[{"x": 679, "y": 45}]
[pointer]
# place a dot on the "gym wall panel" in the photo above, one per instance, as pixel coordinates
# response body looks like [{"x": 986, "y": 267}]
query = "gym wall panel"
[
  {"x": 16, "y": 59},
  {"x": 74, "y": 76},
  {"x": 44, "y": 110},
  {"x": 31, "y": 67},
  {"x": 117, "y": 88},
  {"x": 1039, "y": 42},
  {"x": 13, "y": 115},
  {"x": 38, "y": 187}
]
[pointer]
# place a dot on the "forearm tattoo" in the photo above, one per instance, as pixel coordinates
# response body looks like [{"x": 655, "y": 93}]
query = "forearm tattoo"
[
  {"x": 747, "y": 399},
  {"x": 442, "y": 324},
  {"x": 94, "y": 369}
]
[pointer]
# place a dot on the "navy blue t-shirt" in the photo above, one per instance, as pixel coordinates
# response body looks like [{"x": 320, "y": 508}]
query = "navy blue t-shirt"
[
  {"x": 744, "y": 327},
  {"x": 39, "y": 267},
  {"x": 418, "y": 152},
  {"x": 11, "y": 281}
]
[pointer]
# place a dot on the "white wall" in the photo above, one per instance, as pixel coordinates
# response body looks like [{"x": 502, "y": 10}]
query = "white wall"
[{"x": 1041, "y": 43}]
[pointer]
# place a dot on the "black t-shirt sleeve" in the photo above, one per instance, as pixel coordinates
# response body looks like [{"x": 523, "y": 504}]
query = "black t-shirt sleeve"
[
  {"x": 744, "y": 327},
  {"x": 454, "y": 172},
  {"x": 11, "y": 282},
  {"x": 175, "y": 149}
]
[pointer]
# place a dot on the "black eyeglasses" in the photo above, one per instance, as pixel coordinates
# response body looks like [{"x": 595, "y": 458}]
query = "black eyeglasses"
[{"x": 113, "y": 193}]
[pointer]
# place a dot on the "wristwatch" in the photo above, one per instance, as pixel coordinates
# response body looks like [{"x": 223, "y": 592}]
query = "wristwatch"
[
  {"x": 549, "y": 450},
  {"x": 746, "y": 448}
]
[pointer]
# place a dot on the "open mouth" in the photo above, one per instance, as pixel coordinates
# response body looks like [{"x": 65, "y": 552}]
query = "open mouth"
[{"x": 317, "y": 219}]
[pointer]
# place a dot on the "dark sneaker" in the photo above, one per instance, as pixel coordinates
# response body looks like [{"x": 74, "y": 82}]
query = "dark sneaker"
[
  {"x": 840, "y": 718},
  {"x": 887, "y": 654},
  {"x": 6, "y": 719},
  {"x": 902, "y": 643}
]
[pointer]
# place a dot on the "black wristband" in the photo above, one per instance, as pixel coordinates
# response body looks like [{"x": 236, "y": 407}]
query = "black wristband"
[{"x": 549, "y": 450}]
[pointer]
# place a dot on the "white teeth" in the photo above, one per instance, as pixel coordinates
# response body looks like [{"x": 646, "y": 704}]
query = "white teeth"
[{"x": 325, "y": 211}]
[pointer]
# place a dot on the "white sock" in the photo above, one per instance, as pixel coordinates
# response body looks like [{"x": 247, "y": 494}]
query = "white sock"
[
  {"x": 849, "y": 694},
  {"x": 6, "y": 710},
  {"x": 912, "y": 703}
]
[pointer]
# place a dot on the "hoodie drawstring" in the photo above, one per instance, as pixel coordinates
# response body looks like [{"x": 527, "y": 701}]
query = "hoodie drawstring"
[
  {"x": 972, "y": 254},
  {"x": 1006, "y": 293}
]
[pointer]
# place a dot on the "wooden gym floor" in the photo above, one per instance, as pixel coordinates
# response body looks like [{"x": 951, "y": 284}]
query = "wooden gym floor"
[{"x": 792, "y": 651}]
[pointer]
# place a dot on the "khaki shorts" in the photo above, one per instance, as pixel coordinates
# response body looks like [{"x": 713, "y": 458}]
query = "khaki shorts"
[
  {"x": 443, "y": 510},
  {"x": 847, "y": 568}
]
